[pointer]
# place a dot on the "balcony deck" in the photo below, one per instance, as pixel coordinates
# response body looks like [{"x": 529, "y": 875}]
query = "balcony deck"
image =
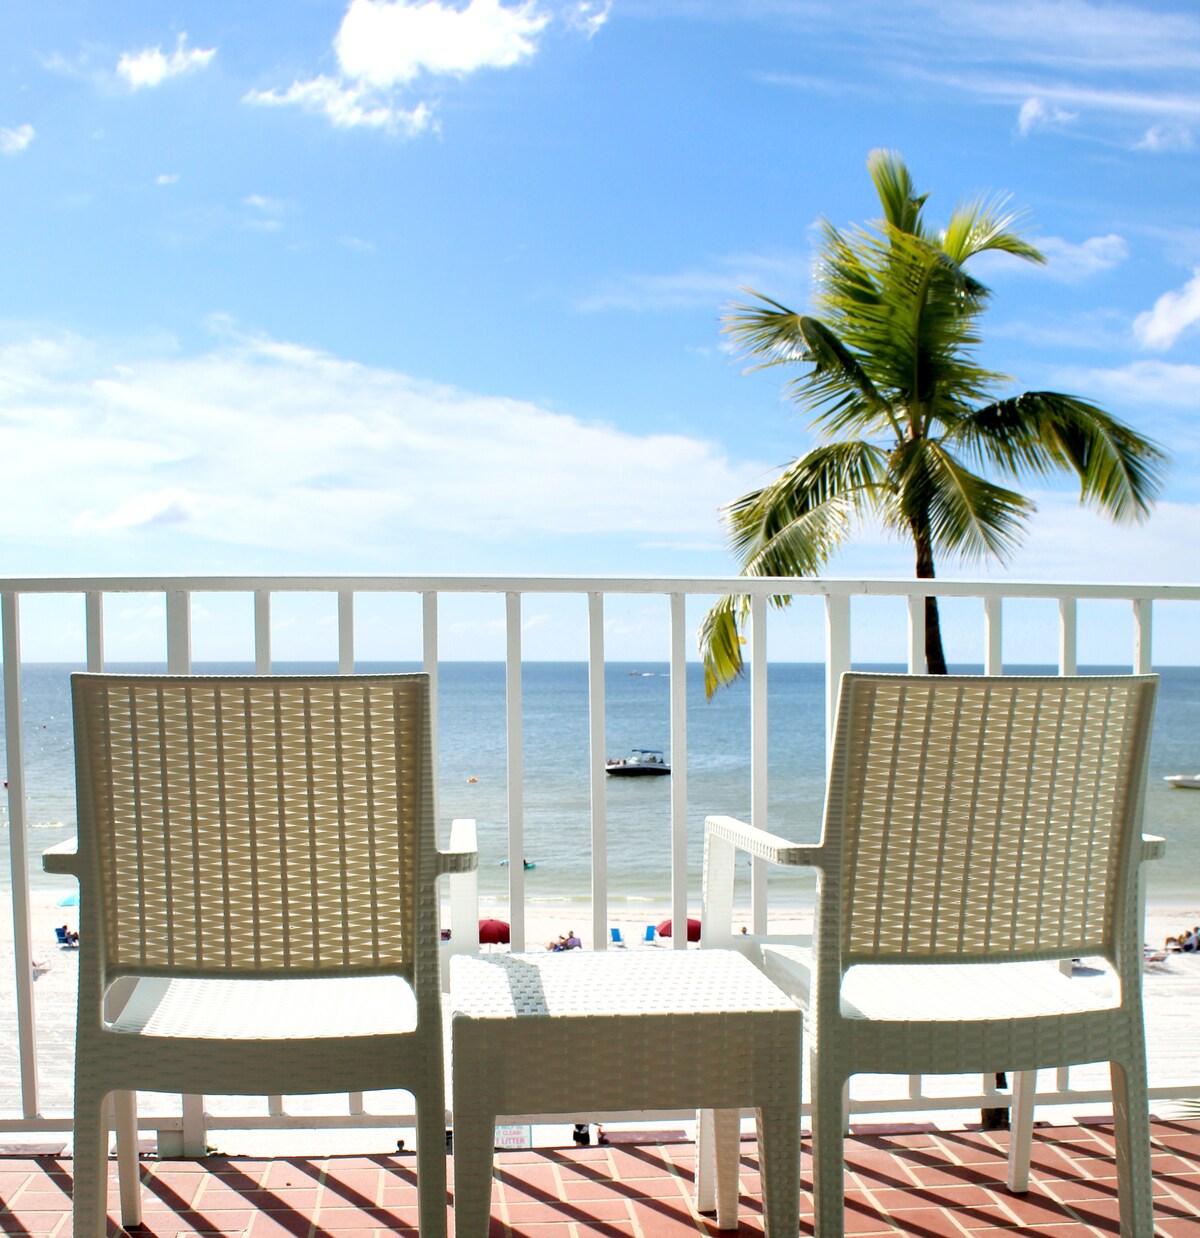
[{"x": 918, "y": 1183}]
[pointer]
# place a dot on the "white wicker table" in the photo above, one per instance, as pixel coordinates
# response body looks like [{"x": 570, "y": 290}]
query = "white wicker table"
[{"x": 583, "y": 1032}]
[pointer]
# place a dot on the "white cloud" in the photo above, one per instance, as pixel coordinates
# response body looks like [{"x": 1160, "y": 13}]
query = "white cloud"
[
  {"x": 382, "y": 43},
  {"x": 384, "y": 48},
  {"x": 347, "y": 107},
  {"x": 1072, "y": 261},
  {"x": 1173, "y": 313},
  {"x": 13, "y": 141},
  {"x": 270, "y": 446},
  {"x": 589, "y": 15},
  {"x": 167, "y": 178},
  {"x": 1154, "y": 385},
  {"x": 1034, "y": 114},
  {"x": 151, "y": 67},
  {"x": 153, "y": 508},
  {"x": 1166, "y": 138}
]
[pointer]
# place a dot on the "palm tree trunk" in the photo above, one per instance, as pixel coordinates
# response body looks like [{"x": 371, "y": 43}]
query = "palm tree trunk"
[{"x": 935, "y": 658}]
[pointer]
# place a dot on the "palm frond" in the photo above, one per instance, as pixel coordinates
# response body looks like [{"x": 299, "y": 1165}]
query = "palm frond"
[
  {"x": 720, "y": 644},
  {"x": 792, "y": 526},
  {"x": 894, "y": 185},
  {"x": 967, "y": 515},
  {"x": 987, "y": 224},
  {"x": 1042, "y": 432}
]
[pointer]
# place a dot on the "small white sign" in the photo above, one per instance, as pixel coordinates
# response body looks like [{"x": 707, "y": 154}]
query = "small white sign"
[{"x": 513, "y": 1137}]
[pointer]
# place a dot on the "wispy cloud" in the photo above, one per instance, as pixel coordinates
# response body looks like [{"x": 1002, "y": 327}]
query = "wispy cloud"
[
  {"x": 152, "y": 67},
  {"x": 1072, "y": 261},
  {"x": 713, "y": 284},
  {"x": 1172, "y": 314},
  {"x": 1085, "y": 66},
  {"x": 14, "y": 141},
  {"x": 262, "y": 443},
  {"x": 1034, "y": 114},
  {"x": 347, "y": 106}
]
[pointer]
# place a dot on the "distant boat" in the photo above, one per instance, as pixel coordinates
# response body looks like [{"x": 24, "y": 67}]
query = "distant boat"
[
  {"x": 1187, "y": 782},
  {"x": 639, "y": 764},
  {"x": 526, "y": 863}
]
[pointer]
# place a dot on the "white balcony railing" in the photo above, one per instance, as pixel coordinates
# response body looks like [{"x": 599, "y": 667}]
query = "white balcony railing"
[{"x": 836, "y": 595}]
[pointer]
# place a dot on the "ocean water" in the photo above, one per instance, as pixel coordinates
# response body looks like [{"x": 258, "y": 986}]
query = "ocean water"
[{"x": 473, "y": 773}]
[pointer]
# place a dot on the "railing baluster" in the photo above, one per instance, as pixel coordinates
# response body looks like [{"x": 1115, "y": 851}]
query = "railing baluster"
[
  {"x": 516, "y": 775},
  {"x": 1143, "y": 632},
  {"x": 1067, "y": 637},
  {"x": 179, "y": 632},
  {"x": 993, "y": 636},
  {"x": 837, "y": 660},
  {"x": 93, "y": 613},
  {"x": 916, "y": 635},
  {"x": 10, "y": 620},
  {"x": 597, "y": 746},
  {"x": 679, "y": 802},
  {"x": 345, "y": 632},
  {"x": 429, "y": 664},
  {"x": 262, "y": 632},
  {"x": 759, "y": 869}
]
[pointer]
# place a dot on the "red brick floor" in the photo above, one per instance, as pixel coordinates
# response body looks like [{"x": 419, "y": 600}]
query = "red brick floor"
[{"x": 927, "y": 1184}]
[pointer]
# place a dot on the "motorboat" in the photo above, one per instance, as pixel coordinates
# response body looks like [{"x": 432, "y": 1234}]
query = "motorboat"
[
  {"x": 1187, "y": 782},
  {"x": 641, "y": 762}
]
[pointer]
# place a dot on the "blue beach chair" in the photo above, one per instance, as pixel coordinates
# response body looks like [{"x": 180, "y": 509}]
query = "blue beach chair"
[
  {"x": 617, "y": 939},
  {"x": 649, "y": 934}
]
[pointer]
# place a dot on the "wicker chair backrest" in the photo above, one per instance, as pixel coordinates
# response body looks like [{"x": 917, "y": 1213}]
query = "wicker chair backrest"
[
  {"x": 237, "y": 825},
  {"x": 984, "y": 818}
]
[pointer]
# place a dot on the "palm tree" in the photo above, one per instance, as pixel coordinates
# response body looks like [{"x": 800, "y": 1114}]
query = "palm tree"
[{"x": 912, "y": 434}]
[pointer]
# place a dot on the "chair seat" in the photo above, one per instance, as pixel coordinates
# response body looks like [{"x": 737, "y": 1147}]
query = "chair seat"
[
  {"x": 954, "y": 992},
  {"x": 269, "y": 1009}
]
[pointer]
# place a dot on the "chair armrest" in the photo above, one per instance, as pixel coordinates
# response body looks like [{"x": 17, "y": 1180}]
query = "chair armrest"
[
  {"x": 723, "y": 837},
  {"x": 62, "y": 858},
  {"x": 463, "y": 855},
  {"x": 1151, "y": 848},
  {"x": 769, "y": 847}
]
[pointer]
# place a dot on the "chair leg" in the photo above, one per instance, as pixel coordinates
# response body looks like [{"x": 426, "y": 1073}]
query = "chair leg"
[
  {"x": 431, "y": 1161},
  {"x": 1131, "y": 1128},
  {"x": 779, "y": 1163},
  {"x": 726, "y": 1132},
  {"x": 829, "y": 1154},
  {"x": 1020, "y": 1144},
  {"x": 128, "y": 1167},
  {"x": 89, "y": 1195},
  {"x": 706, "y": 1162},
  {"x": 474, "y": 1144}
]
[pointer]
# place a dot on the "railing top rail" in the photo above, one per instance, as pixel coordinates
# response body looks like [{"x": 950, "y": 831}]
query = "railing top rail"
[{"x": 700, "y": 585}]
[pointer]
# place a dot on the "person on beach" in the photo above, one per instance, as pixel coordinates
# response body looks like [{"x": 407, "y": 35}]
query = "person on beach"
[{"x": 572, "y": 942}]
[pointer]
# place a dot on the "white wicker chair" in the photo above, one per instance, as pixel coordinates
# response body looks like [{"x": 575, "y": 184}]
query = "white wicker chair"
[
  {"x": 257, "y": 858},
  {"x": 974, "y": 829}
]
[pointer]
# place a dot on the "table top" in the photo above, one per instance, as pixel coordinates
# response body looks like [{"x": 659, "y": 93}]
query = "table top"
[{"x": 608, "y": 983}]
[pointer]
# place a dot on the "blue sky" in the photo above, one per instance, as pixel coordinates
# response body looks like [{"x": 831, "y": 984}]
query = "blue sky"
[{"x": 320, "y": 285}]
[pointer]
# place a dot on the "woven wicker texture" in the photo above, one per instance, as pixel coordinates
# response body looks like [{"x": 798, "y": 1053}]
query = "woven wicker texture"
[
  {"x": 972, "y": 827},
  {"x": 591, "y": 1032},
  {"x": 250, "y": 825},
  {"x": 258, "y": 855},
  {"x": 981, "y": 817}
]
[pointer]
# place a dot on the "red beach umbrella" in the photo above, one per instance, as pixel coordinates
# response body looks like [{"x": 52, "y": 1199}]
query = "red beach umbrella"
[
  {"x": 493, "y": 933},
  {"x": 693, "y": 929}
]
